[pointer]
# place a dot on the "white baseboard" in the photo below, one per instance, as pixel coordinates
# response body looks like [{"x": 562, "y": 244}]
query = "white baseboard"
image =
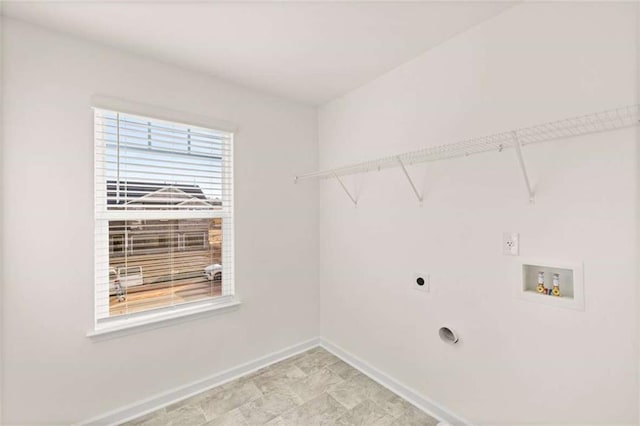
[
  {"x": 161, "y": 400},
  {"x": 425, "y": 404},
  {"x": 158, "y": 401}
]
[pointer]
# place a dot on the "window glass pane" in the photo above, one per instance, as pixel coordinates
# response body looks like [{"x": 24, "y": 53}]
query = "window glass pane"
[{"x": 159, "y": 263}]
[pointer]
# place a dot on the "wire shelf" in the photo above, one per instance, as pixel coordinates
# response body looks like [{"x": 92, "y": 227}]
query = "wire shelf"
[{"x": 598, "y": 122}]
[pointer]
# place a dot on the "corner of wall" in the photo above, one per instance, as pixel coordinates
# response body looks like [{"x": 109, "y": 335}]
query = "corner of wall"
[
  {"x": 316, "y": 208},
  {"x": 1, "y": 212},
  {"x": 637, "y": 208}
]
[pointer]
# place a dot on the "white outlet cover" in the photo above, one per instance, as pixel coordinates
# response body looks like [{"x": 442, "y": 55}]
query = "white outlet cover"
[
  {"x": 426, "y": 287},
  {"x": 511, "y": 243}
]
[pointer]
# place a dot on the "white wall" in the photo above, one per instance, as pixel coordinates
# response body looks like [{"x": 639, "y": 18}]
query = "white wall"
[
  {"x": 52, "y": 372},
  {"x": 517, "y": 362}
]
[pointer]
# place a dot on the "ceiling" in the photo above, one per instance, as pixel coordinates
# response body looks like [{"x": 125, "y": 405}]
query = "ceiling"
[{"x": 310, "y": 52}]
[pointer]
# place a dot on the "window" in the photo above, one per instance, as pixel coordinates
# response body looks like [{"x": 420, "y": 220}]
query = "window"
[{"x": 164, "y": 215}]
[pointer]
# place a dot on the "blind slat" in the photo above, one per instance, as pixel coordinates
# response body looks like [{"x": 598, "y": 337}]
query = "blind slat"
[{"x": 128, "y": 119}]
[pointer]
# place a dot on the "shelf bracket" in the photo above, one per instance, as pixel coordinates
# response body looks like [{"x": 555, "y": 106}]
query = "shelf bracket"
[
  {"x": 518, "y": 146},
  {"x": 353, "y": 200},
  {"x": 413, "y": 186}
]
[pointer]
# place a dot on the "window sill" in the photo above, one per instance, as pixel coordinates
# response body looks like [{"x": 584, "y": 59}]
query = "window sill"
[{"x": 162, "y": 319}]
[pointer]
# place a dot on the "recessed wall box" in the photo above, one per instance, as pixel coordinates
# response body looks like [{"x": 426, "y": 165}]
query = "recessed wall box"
[{"x": 551, "y": 282}]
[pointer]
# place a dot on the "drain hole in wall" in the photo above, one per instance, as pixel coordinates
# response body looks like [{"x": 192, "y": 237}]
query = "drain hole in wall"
[{"x": 447, "y": 335}]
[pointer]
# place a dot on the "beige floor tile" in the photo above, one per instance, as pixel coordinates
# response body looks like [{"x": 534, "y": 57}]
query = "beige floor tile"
[
  {"x": 414, "y": 417},
  {"x": 348, "y": 393},
  {"x": 366, "y": 413},
  {"x": 391, "y": 403},
  {"x": 317, "y": 349},
  {"x": 278, "y": 378},
  {"x": 277, "y": 422},
  {"x": 229, "y": 399},
  {"x": 315, "y": 384},
  {"x": 264, "y": 409},
  {"x": 316, "y": 361},
  {"x": 354, "y": 391},
  {"x": 186, "y": 415},
  {"x": 384, "y": 421},
  {"x": 231, "y": 418},
  {"x": 322, "y": 410},
  {"x": 370, "y": 386},
  {"x": 343, "y": 369}
]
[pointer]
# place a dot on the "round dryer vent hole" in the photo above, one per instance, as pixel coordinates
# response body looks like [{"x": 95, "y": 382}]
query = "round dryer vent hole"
[{"x": 448, "y": 335}]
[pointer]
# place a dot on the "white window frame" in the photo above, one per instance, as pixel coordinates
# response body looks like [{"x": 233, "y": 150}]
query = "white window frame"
[{"x": 149, "y": 318}]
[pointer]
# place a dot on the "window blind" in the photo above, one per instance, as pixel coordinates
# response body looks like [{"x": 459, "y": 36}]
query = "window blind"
[{"x": 163, "y": 212}]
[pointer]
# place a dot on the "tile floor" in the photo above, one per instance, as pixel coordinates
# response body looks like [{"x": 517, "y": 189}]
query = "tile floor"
[{"x": 312, "y": 388}]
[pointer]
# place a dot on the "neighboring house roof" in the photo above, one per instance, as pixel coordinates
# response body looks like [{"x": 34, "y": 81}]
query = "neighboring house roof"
[
  {"x": 195, "y": 202},
  {"x": 141, "y": 194}
]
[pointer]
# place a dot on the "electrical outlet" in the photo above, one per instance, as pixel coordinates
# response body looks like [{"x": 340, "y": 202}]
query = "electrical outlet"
[
  {"x": 511, "y": 243},
  {"x": 421, "y": 282}
]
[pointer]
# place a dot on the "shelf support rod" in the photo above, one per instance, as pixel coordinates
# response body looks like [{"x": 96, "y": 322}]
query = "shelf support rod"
[
  {"x": 413, "y": 186},
  {"x": 518, "y": 145},
  {"x": 353, "y": 200}
]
